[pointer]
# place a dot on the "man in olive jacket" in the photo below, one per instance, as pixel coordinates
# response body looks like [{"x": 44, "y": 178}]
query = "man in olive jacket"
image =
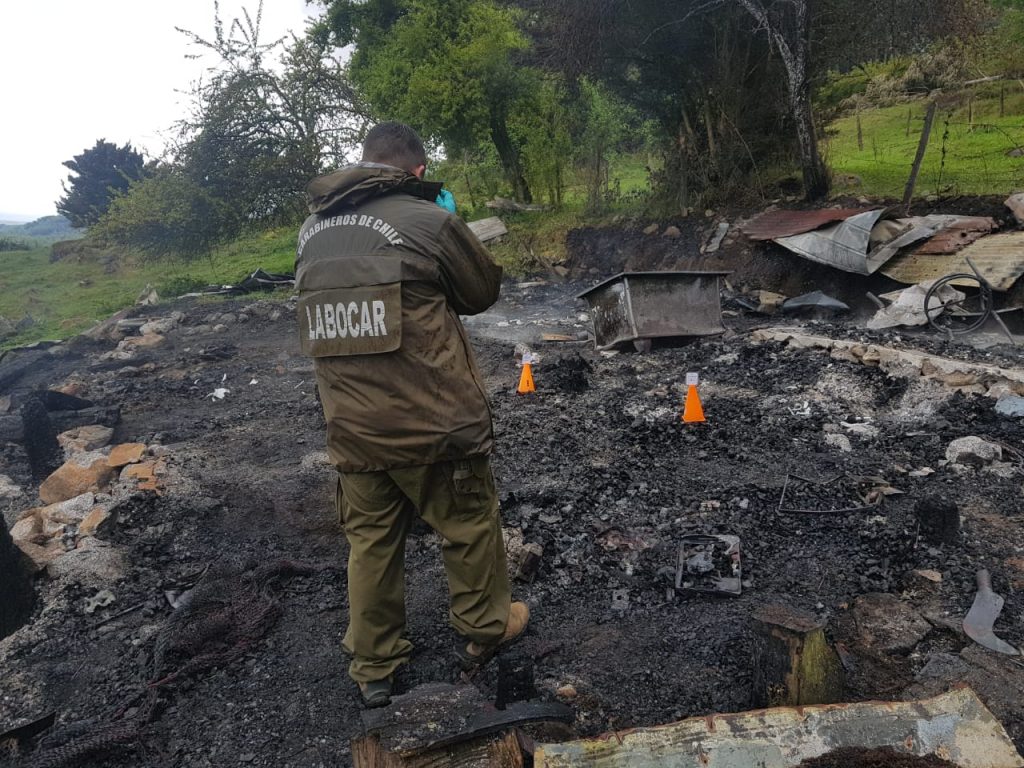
[{"x": 383, "y": 274}]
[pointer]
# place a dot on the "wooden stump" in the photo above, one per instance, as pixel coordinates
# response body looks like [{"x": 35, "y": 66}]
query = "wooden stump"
[
  {"x": 793, "y": 664},
  {"x": 437, "y": 725}
]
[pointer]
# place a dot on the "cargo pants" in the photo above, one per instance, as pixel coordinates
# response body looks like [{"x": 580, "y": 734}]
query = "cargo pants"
[{"x": 458, "y": 500}]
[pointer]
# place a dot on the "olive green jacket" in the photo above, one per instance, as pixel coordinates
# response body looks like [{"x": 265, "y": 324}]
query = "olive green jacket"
[{"x": 383, "y": 274}]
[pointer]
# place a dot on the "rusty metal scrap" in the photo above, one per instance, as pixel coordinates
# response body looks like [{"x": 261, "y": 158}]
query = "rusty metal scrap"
[
  {"x": 774, "y": 224},
  {"x": 710, "y": 564},
  {"x": 640, "y": 306},
  {"x": 964, "y": 231}
]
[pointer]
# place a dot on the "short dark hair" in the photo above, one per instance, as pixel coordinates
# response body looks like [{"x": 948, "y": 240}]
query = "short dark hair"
[{"x": 394, "y": 144}]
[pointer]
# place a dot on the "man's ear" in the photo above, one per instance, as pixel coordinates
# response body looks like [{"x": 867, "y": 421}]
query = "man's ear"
[{"x": 419, "y": 170}]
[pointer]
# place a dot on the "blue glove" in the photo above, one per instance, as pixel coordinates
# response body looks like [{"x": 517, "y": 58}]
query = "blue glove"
[{"x": 446, "y": 200}]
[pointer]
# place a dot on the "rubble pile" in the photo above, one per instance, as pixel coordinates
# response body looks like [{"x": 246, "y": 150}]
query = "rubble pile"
[{"x": 862, "y": 493}]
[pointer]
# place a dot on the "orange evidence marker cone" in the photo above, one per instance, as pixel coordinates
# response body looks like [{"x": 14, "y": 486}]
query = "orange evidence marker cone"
[
  {"x": 526, "y": 379},
  {"x": 693, "y": 411}
]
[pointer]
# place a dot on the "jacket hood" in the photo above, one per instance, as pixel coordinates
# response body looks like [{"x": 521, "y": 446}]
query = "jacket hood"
[{"x": 348, "y": 187}]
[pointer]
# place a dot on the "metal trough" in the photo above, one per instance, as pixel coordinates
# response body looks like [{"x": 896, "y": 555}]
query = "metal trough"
[{"x": 636, "y": 307}]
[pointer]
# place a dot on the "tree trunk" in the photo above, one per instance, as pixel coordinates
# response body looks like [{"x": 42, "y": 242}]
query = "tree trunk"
[
  {"x": 816, "y": 182},
  {"x": 792, "y": 49},
  {"x": 508, "y": 154}
]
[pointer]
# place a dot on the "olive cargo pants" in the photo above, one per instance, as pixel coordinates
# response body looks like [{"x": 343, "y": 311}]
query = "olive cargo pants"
[{"x": 459, "y": 501}]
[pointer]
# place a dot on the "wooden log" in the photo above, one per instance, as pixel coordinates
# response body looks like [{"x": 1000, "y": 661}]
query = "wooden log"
[
  {"x": 513, "y": 206},
  {"x": 793, "y": 664},
  {"x": 437, "y": 725},
  {"x": 501, "y": 751}
]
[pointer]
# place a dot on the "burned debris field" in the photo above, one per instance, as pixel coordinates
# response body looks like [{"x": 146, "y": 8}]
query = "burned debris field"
[{"x": 200, "y": 623}]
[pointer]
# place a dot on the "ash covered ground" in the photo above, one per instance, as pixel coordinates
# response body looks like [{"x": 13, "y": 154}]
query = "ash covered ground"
[{"x": 596, "y": 467}]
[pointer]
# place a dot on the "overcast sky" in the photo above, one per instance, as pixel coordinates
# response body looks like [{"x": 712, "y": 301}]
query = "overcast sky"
[{"x": 74, "y": 71}]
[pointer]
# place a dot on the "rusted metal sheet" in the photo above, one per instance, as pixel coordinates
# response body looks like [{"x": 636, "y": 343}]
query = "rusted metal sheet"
[
  {"x": 958, "y": 235},
  {"x": 634, "y": 306},
  {"x": 955, "y": 726},
  {"x": 771, "y": 225},
  {"x": 999, "y": 258}
]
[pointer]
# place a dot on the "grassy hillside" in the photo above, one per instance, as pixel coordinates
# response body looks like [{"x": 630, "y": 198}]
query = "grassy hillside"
[
  {"x": 67, "y": 297},
  {"x": 971, "y": 150}
]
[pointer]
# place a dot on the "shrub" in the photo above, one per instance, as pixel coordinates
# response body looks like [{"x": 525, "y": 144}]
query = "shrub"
[{"x": 166, "y": 215}]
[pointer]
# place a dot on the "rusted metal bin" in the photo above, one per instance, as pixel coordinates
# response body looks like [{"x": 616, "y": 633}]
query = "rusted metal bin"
[{"x": 637, "y": 307}]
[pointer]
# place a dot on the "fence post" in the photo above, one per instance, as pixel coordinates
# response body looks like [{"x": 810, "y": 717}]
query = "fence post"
[{"x": 922, "y": 145}]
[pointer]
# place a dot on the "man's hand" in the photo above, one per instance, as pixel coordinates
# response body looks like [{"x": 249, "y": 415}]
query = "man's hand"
[{"x": 446, "y": 200}]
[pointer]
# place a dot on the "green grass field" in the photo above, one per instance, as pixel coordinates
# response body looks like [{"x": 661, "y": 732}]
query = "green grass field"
[
  {"x": 968, "y": 151},
  {"x": 67, "y": 297}
]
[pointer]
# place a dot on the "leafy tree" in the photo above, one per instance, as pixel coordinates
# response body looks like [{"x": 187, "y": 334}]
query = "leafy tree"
[
  {"x": 542, "y": 126},
  {"x": 166, "y": 214},
  {"x": 446, "y": 67},
  {"x": 98, "y": 175},
  {"x": 258, "y": 133},
  {"x": 605, "y": 123}
]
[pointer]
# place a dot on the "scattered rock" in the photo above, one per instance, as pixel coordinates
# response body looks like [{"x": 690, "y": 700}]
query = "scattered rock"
[
  {"x": 145, "y": 474},
  {"x": 132, "y": 343},
  {"x": 1012, "y": 405},
  {"x": 567, "y": 691},
  {"x": 973, "y": 451},
  {"x": 672, "y": 232},
  {"x": 126, "y": 453},
  {"x": 81, "y": 474},
  {"x": 866, "y": 431},
  {"x": 28, "y": 528},
  {"x": 929, "y": 575},
  {"x": 148, "y": 297},
  {"x": 316, "y": 460},
  {"x": 92, "y": 562},
  {"x": 768, "y": 302},
  {"x": 99, "y": 522},
  {"x": 41, "y": 556},
  {"x": 887, "y": 624},
  {"x": 8, "y": 490},
  {"x": 84, "y": 439},
  {"x": 651, "y": 229},
  {"x": 1016, "y": 205},
  {"x": 101, "y": 599},
  {"x": 162, "y": 325},
  {"x": 71, "y": 511},
  {"x": 842, "y": 442}
]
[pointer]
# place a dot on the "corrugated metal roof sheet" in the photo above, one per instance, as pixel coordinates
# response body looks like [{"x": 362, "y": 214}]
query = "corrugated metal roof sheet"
[
  {"x": 1000, "y": 258},
  {"x": 843, "y": 245},
  {"x": 774, "y": 224},
  {"x": 959, "y": 235}
]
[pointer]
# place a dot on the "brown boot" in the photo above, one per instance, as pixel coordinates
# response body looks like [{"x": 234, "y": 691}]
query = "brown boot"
[{"x": 474, "y": 655}]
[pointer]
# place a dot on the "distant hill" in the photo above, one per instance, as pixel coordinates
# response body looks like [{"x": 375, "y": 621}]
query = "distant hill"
[{"x": 53, "y": 227}]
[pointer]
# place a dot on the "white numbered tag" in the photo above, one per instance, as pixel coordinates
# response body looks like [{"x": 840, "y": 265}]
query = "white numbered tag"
[{"x": 692, "y": 379}]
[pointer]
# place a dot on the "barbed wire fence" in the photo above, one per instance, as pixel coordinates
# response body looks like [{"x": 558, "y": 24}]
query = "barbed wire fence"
[{"x": 975, "y": 147}]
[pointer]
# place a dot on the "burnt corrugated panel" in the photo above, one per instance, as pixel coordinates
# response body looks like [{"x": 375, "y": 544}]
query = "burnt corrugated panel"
[
  {"x": 999, "y": 258},
  {"x": 965, "y": 231},
  {"x": 774, "y": 224}
]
